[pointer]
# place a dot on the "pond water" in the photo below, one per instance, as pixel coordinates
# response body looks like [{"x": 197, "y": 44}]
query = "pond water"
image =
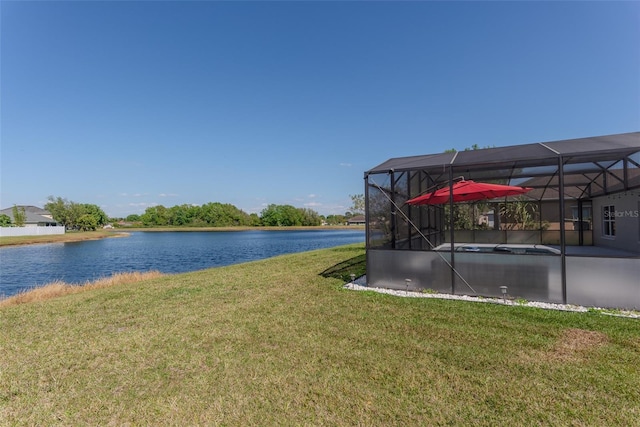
[{"x": 24, "y": 267}]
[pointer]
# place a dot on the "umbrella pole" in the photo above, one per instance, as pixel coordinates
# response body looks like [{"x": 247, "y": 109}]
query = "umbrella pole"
[{"x": 452, "y": 233}]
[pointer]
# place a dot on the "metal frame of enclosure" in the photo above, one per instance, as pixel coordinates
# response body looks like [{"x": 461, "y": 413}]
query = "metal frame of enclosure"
[{"x": 573, "y": 239}]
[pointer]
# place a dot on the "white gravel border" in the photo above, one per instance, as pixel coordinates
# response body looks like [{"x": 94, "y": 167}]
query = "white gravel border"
[{"x": 536, "y": 304}]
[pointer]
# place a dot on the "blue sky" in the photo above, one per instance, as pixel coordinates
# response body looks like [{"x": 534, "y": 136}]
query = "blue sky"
[{"x": 131, "y": 104}]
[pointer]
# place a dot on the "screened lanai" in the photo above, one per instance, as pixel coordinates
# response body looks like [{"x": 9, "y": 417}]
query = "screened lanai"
[{"x": 573, "y": 237}]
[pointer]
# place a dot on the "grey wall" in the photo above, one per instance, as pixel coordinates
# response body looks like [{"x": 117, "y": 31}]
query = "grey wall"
[
  {"x": 532, "y": 277},
  {"x": 591, "y": 281},
  {"x": 627, "y": 207}
]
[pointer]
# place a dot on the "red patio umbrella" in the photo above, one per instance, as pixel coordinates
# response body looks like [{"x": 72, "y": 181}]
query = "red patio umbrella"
[{"x": 464, "y": 191}]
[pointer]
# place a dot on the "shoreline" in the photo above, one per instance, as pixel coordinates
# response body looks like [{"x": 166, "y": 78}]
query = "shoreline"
[{"x": 60, "y": 238}]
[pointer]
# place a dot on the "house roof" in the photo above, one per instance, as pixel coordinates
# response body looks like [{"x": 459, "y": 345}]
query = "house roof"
[
  {"x": 34, "y": 215},
  {"x": 601, "y": 148}
]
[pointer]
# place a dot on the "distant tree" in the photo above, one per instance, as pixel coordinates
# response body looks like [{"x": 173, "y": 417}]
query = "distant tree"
[
  {"x": 69, "y": 213},
  {"x": 223, "y": 215},
  {"x": 178, "y": 215},
  {"x": 133, "y": 218},
  {"x": 234, "y": 216},
  {"x": 357, "y": 207},
  {"x": 155, "y": 216},
  {"x": 191, "y": 214},
  {"x": 74, "y": 212},
  {"x": 210, "y": 214},
  {"x": 272, "y": 216},
  {"x": 336, "y": 219},
  {"x": 311, "y": 217},
  {"x": 58, "y": 208},
  {"x": 254, "y": 220},
  {"x": 96, "y": 212},
  {"x": 87, "y": 222},
  {"x": 19, "y": 216},
  {"x": 5, "y": 220},
  {"x": 287, "y": 215}
]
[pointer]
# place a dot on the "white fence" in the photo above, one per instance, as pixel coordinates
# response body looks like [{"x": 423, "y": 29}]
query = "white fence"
[{"x": 30, "y": 231}]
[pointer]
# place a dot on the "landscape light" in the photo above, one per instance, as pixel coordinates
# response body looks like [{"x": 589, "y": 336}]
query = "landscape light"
[{"x": 503, "y": 289}]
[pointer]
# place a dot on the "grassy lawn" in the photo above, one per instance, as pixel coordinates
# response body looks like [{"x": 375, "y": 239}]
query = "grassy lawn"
[{"x": 275, "y": 342}]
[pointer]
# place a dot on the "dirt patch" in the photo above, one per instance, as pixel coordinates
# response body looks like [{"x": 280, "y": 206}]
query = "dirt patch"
[{"x": 575, "y": 344}]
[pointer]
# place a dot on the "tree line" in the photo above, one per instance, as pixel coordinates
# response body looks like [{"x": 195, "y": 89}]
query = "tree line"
[
  {"x": 83, "y": 216},
  {"x": 217, "y": 214}
]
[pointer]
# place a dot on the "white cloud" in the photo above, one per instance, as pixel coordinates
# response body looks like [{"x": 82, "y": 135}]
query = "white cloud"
[
  {"x": 141, "y": 204},
  {"x": 346, "y": 165},
  {"x": 168, "y": 195}
]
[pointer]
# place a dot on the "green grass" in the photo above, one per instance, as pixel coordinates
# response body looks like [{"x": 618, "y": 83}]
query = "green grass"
[{"x": 274, "y": 342}]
